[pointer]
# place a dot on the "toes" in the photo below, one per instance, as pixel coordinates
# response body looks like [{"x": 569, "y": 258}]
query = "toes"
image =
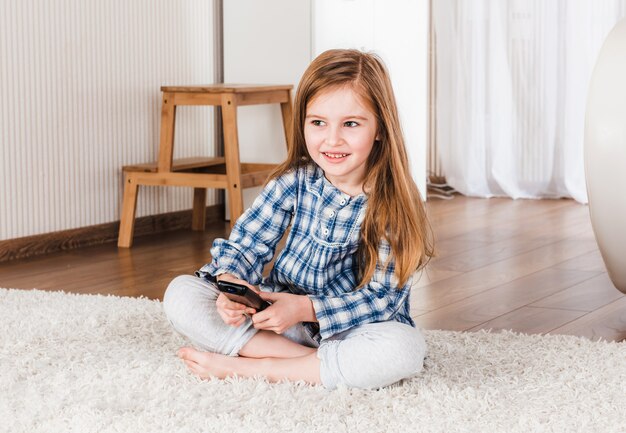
[
  {"x": 189, "y": 353},
  {"x": 195, "y": 369},
  {"x": 182, "y": 352},
  {"x": 202, "y": 358},
  {"x": 191, "y": 366}
]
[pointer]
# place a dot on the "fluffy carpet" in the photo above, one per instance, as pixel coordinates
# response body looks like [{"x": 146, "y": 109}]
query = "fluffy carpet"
[{"x": 107, "y": 364}]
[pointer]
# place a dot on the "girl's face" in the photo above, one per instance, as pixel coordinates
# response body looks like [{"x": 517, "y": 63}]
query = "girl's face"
[{"x": 339, "y": 130}]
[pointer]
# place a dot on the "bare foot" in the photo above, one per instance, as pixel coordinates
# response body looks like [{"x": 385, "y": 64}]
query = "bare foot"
[{"x": 206, "y": 364}]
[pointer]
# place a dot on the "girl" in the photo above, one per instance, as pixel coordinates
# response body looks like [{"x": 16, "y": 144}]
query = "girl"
[{"x": 340, "y": 288}]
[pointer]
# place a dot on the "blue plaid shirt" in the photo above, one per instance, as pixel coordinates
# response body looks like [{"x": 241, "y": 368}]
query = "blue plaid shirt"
[{"x": 319, "y": 257}]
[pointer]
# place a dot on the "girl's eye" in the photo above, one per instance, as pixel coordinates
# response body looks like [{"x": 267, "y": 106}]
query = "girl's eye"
[
  {"x": 351, "y": 124},
  {"x": 318, "y": 122}
]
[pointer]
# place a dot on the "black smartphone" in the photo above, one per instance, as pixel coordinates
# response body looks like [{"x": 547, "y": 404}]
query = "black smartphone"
[{"x": 242, "y": 294}]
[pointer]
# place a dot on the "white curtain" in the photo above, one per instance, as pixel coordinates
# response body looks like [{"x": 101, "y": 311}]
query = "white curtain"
[{"x": 511, "y": 88}]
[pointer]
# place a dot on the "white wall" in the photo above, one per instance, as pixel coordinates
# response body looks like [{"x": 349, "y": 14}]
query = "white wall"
[
  {"x": 397, "y": 30},
  {"x": 80, "y": 83},
  {"x": 265, "y": 42}
]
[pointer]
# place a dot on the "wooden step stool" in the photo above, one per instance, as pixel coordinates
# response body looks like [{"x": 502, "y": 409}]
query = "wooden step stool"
[{"x": 201, "y": 173}]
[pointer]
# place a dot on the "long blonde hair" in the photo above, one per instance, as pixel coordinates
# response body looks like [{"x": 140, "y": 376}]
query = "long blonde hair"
[{"x": 395, "y": 210}]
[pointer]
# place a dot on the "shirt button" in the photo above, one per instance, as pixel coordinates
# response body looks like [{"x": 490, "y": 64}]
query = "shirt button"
[
  {"x": 326, "y": 232},
  {"x": 343, "y": 201},
  {"x": 330, "y": 213}
]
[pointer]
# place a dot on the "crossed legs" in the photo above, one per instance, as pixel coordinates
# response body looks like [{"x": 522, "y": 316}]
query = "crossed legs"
[{"x": 367, "y": 356}]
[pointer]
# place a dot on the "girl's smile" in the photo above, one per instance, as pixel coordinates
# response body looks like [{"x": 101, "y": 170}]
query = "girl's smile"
[
  {"x": 339, "y": 132},
  {"x": 335, "y": 157}
]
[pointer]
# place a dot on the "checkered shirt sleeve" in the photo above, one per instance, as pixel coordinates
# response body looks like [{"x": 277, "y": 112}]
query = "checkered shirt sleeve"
[
  {"x": 253, "y": 240},
  {"x": 377, "y": 301}
]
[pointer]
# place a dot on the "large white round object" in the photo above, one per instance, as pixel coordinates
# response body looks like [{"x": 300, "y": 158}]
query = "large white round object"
[{"x": 605, "y": 153}]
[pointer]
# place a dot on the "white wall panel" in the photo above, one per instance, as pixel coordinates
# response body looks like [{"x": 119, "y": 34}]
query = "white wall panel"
[
  {"x": 80, "y": 97},
  {"x": 265, "y": 42},
  {"x": 397, "y": 30}
]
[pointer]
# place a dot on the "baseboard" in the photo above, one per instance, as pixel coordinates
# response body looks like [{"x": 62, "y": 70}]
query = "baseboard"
[{"x": 30, "y": 246}]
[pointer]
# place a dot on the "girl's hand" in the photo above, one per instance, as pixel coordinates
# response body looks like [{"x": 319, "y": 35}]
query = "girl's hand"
[
  {"x": 233, "y": 313},
  {"x": 286, "y": 310}
]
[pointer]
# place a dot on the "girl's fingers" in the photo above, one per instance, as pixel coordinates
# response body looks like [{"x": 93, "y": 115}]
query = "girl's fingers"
[
  {"x": 232, "y": 309},
  {"x": 233, "y": 314},
  {"x": 262, "y": 324},
  {"x": 261, "y": 317},
  {"x": 229, "y": 320},
  {"x": 233, "y": 318},
  {"x": 225, "y": 303},
  {"x": 270, "y": 296},
  {"x": 275, "y": 329},
  {"x": 236, "y": 314}
]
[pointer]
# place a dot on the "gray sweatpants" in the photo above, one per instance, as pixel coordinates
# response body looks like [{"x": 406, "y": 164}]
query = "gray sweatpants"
[{"x": 367, "y": 356}]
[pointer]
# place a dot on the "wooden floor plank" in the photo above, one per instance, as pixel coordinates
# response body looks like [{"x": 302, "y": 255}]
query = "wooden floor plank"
[
  {"x": 464, "y": 285},
  {"x": 534, "y": 235},
  {"x": 476, "y": 258},
  {"x": 587, "y": 296},
  {"x": 498, "y": 301},
  {"x": 502, "y": 222},
  {"x": 591, "y": 261},
  {"x": 432, "y": 274},
  {"x": 530, "y": 320},
  {"x": 605, "y": 323},
  {"x": 450, "y": 247}
]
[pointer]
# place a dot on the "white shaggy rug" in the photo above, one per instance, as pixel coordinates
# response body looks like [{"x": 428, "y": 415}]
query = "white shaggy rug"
[{"x": 107, "y": 364}]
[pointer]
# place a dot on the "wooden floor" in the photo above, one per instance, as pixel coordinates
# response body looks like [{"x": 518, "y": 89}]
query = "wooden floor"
[{"x": 528, "y": 265}]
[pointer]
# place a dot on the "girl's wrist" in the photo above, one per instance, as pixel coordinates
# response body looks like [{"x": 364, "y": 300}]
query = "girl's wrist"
[{"x": 308, "y": 312}]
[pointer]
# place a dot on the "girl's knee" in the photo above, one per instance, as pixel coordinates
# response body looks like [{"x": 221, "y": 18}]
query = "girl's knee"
[
  {"x": 410, "y": 349},
  {"x": 176, "y": 298},
  {"x": 401, "y": 354},
  {"x": 381, "y": 356},
  {"x": 175, "y": 288}
]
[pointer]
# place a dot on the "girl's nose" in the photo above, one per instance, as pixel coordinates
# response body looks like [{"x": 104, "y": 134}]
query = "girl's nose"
[{"x": 333, "y": 136}]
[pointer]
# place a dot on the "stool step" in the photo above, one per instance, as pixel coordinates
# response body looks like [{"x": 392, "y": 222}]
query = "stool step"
[
  {"x": 252, "y": 174},
  {"x": 181, "y": 164},
  {"x": 255, "y": 174}
]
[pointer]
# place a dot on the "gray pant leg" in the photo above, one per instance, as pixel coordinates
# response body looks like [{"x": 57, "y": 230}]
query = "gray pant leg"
[
  {"x": 189, "y": 304},
  {"x": 372, "y": 355},
  {"x": 298, "y": 334}
]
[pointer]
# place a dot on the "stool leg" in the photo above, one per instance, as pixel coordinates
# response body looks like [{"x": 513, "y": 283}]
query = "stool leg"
[
  {"x": 231, "y": 154},
  {"x": 287, "y": 114},
  {"x": 168, "y": 122},
  {"x": 199, "y": 209},
  {"x": 129, "y": 206}
]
